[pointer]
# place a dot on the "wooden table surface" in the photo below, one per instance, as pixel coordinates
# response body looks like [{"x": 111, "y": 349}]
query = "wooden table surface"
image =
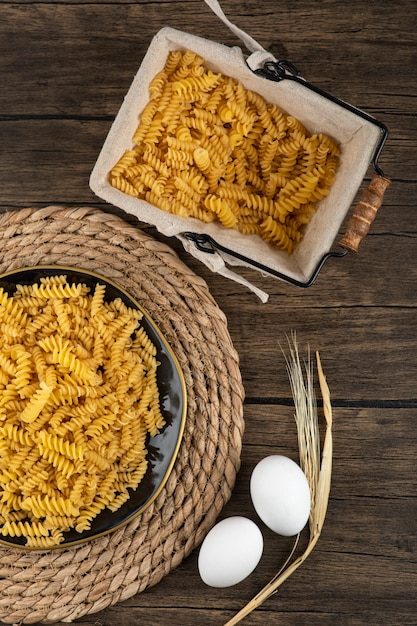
[{"x": 65, "y": 67}]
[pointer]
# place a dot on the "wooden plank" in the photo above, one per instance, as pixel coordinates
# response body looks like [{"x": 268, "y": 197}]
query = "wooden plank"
[{"x": 99, "y": 65}]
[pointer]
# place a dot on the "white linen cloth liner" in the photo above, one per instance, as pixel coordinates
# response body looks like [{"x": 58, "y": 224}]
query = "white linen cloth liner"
[{"x": 358, "y": 139}]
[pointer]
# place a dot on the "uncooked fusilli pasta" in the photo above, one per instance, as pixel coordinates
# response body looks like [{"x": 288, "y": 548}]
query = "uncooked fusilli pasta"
[
  {"x": 78, "y": 400},
  {"x": 202, "y": 123}
]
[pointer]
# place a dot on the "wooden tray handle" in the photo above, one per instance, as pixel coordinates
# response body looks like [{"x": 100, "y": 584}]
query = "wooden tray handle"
[{"x": 364, "y": 213}]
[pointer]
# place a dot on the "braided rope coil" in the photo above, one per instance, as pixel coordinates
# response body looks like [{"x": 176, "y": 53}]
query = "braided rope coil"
[{"x": 65, "y": 584}]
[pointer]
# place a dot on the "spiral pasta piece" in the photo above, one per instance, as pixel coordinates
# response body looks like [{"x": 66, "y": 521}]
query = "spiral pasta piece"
[
  {"x": 36, "y": 403},
  {"x": 57, "y": 290},
  {"x": 26, "y": 529},
  {"x": 48, "y": 441},
  {"x": 23, "y": 366},
  {"x": 222, "y": 209}
]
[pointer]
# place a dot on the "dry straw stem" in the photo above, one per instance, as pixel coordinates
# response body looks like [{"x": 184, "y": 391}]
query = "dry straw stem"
[{"x": 319, "y": 477}]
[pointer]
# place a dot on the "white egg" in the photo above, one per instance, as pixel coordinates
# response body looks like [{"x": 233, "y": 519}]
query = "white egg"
[
  {"x": 230, "y": 552},
  {"x": 281, "y": 494}
]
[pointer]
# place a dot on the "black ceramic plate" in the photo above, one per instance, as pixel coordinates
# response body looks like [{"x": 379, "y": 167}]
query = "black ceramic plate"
[{"x": 163, "y": 448}]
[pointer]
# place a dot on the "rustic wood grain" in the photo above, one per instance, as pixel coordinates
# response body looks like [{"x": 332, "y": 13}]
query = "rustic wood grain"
[{"x": 64, "y": 68}]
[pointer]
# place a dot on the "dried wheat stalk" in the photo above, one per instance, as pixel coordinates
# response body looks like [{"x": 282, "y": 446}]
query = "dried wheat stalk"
[{"x": 318, "y": 475}]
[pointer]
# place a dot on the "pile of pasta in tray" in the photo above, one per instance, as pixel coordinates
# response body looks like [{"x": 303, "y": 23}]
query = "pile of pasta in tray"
[
  {"x": 78, "y": 399},
  {"x": 207, "y": 147}
]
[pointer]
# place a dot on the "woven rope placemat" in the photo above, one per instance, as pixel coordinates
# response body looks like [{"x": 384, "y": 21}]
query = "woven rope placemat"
[{"x": 65, "y": 584}]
